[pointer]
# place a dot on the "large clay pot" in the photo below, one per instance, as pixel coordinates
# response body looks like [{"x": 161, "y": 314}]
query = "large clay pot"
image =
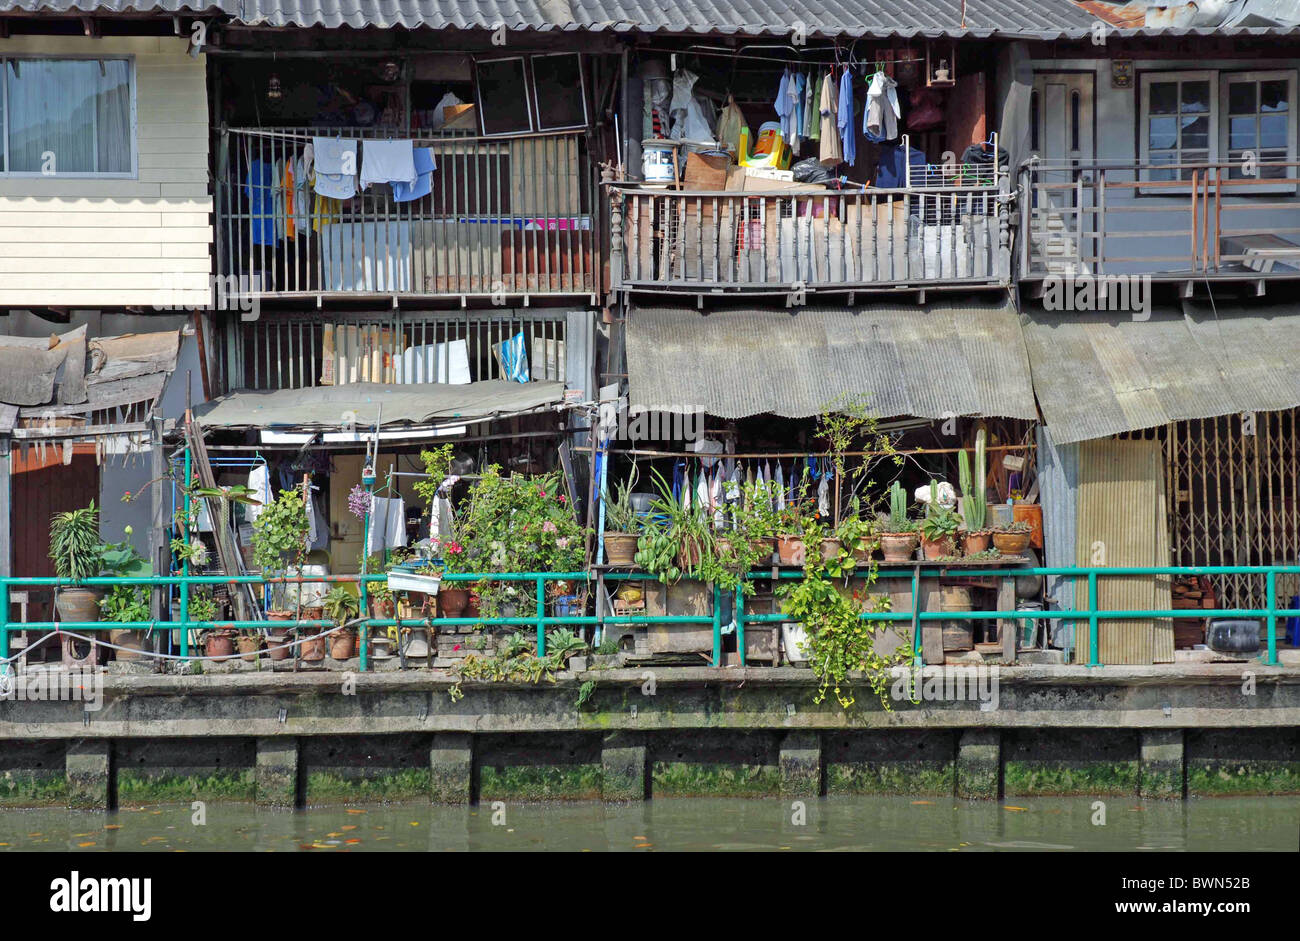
[
  {"x": 381, "y": 608},
  {"x": 620, "y": 548},
  {"x": 790, "y": 550},
  {"x": 977, "y": 542},
  {"x": 312, "y": 648},
  {"x": 1011, "y": 543},
  {"x": 132, "y": 639},
  {"x": 277, "y": 645},
  {"x": 898, "y": 547},
  {"x": 248, "y": 645},
  {"x": 830, "y": 549},
  {"x": 77, "y": 604},
  {"x": 764, "y": 548},
  {"x": 218, "y": 644},
  {"x": 453, "y": 601},
  {"x": 939, "y": 548},
  {"x": 343, "y": 644}
]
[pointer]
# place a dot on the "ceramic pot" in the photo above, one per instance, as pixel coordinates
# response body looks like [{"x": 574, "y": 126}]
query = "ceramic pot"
[
  {"x": 343, "y": 644},
  {"x": 938, "y": 548},
  {"x": 453, "y": 601},
  {"x": 830, "y": 549},
  {"x": 77, "y": 604},
  {"x": 248, "y": 646},
  {"x": 1010, "y": 543},
  {"x": 790, "y": 550},
  {"x": 977, "y": 542},
  {"x": 898, "y": 547},
  {"x": 312, "y": 648},
  {"x": 620, "y": 548},
  {"x": 277, "y": 645},
  {"x": 218, "y": 644}
]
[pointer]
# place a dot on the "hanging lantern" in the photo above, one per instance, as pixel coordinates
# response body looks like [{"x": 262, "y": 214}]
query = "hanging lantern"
[{"x": 273, "y": 89}]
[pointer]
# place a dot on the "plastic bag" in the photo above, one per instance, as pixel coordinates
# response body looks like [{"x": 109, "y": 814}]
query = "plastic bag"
[
  {"x": 811, "y": 170},
  {"x": 689, "y": 121}
]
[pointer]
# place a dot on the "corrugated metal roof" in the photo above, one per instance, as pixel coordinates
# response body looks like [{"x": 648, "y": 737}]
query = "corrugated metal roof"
[
  {"x": 416, "y": 403},
  {"x": 1097, "y": 375},
  {"x": 932, "y": 361},
  {"x": 822, "y": 18}
]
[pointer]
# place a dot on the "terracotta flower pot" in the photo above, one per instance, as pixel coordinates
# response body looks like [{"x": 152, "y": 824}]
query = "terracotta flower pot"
[
  {"x": 312, "y": 648},
  {"x": 277, "y": 645},
  {"x": 1010, "y": 543},
  {"x": 764, "y": 548},
  {"x": 688, "y": 556},
  {"x": 314, "y": 612},
  {"x": 218, "y": 644},
  {"x": 898, "y": 547},
  {"x": 790, "y": 550},
  {"x": 472, "y": 609},
  {"x": 381, "y": 608},
  {"x": 343, "y": 645},
  {"x": 453, "y": 601},
  {"x": 978, "y": 542},
  {"x": 280, "y": 615},
  {"x": 77, "y": 604},
  {"x": 620, "y": 548},
  {"x": 830, "y": 549},
  {"x": 248, "y": 646},
  {"x": 132, "y": 639},
  {"x": 938, "y": 548}
]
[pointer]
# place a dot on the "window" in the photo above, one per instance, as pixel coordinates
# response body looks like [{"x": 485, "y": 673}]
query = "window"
[
  {"x": 67, "y": 117},
  {"x": 520, "y": 94},
  {"x": 1214, "y": 117},
  {"x": 1177, "y": 122},
  {"x": 1258, "y": 119}
]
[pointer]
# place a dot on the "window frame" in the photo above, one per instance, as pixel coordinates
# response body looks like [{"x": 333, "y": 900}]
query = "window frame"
[
  {"x": 530, "y": 94},
  {"x": 132, "y": 80},
  {"x": 1176, "y": 186},
  {"x": 1258, "y": 76},
  {"x": 582, "y": 91}
]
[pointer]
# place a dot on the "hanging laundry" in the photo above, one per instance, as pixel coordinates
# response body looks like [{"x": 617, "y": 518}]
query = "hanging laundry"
[
  {"x": 797, "y": 93},
  {"x": 730, "y": 122},
  {"x": 784, "y": 106},
  {"x": 830, "y": 152},
  {"x": 779, "y": 486},
  {"x": 259, "y": 482},
  {"x": 261, "y": 206},
  {"x": 425, "y": 164},
  {"x": 287, "y": 185},
  {"x": 881, "y": 116},
  {"x": 336, "y": 167},
  {"x": 815, "y": 87},
  {"x": 387, "y": 524},
  {"x": 844, "y": 119},
  {"x": 388, "y": 161},
  {"x": 823, "y": 496}
]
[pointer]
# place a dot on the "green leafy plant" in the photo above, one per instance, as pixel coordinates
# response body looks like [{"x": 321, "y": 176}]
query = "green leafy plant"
[
  {"x": 1019, "y": 526},
  {"x": 940, "y": 521},
  {"x": 974, "y": 501},
  {"x": 561, "y": 644},
  {"x": 280, "y": 537},
  {"x": 678, "y": 540},
  {"x": 437, "y": 465},
  {"x": 75, "y": 547},
  {"x": 619, "y": 515},
  {"x": 341, "y": 605},
  {"x": 899, "y": 522},
  {"x": 125, "y": 603},
  {"x": 203, "y": 607}
]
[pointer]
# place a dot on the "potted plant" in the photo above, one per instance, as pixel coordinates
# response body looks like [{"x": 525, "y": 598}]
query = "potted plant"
[
  {"x": 342, "y": 606},
  {"x": 857, "y": 535},
  {"x": 939, "y": 528},
  {"x": 621, "y": 524},
  {"x": 974, "y": 502},
  {"x": 898, "y": 540},
  {"x": 76, "y": 551},
  {"x": 126, "y": 604},
  {"x": 1012, "y": 538},
  {"x": 249, "y": 643},
  {"x": 677, "y": 539},
  {"x": 280, "y": 537},
  {"x": 790, "y": 548},
  {"x": 381, "y": 600},
  {"x": 756, "y": 520}
]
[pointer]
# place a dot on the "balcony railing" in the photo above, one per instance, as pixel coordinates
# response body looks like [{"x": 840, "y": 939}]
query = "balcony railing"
[
  {"x": 506, "y": 218},
  {"x": 813, "y": 239},
  {"x": 1165, "y": 220}
]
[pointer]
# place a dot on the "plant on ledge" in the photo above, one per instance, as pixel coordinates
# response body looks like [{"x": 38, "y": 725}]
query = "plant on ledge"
[
  {"x": 939, "y": 528},
  {"x": 839, "y": 642},
  {"x": 280, "y": 537}
]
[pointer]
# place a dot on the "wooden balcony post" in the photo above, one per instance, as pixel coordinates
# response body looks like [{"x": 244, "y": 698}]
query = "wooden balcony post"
[{"x": 616, "y": 203}]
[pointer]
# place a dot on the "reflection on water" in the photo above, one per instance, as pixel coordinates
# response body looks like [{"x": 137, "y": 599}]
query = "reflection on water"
[{"x": 828, "y": 824}]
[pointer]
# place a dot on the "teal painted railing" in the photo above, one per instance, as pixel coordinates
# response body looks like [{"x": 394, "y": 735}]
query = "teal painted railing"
[{"x": 540, "y": 620}]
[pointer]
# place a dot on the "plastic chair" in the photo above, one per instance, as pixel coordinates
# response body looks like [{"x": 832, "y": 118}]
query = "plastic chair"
[{"x": 770, "y": 152}]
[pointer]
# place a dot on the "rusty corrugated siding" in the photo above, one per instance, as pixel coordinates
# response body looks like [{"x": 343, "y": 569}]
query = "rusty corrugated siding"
[{"x": 1122, "y": 522}]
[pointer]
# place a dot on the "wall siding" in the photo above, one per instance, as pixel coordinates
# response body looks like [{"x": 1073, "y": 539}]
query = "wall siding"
[{"x": 143, "y": 241}]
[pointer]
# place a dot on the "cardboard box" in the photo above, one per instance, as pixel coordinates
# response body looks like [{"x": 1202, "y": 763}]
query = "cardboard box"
[
  {"x": 458, "y": 116},
  {"x": 706, "y": 171}
]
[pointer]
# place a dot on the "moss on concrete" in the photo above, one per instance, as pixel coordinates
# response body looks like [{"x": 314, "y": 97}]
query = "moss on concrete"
[
  {"x": 1263, "y": 778},
  {"x": 1034, "y": 778},
  {"x": 692, "y": 779},
  {"x": 134, "y": 787},
  {"x": 33, "y": 789},
  {"x": 891, "y": 778},
  {"x": 581, "y": 781},
  {"x": 324, "y": 787}
]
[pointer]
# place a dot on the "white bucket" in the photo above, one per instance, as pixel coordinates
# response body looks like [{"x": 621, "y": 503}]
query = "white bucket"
[{"x": 657, "y": 164}]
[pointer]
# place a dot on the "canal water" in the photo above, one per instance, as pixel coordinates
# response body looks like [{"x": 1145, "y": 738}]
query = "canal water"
[{"x": 838, "y": 823}]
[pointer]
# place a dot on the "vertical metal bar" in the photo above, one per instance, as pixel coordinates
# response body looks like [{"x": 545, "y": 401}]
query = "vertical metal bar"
[
  {"x": 1092, "y": 618},
  {"x": 1271, "y": 592},
  {"x": 185, "y": 567},
  {"x": 739, "y": 608},
  {"x": 717, "y": 625},
  {"x": 541, "y": 616}
]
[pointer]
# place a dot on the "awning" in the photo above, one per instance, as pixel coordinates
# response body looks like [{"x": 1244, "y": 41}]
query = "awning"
[
  {"x": 358, "y": 404},
  {"x": 1100, "y": 374},
  {"x": 933, "y": 361}
]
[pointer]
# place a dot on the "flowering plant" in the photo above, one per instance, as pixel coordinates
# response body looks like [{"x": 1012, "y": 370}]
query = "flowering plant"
[{"x": 358, "y": 501}]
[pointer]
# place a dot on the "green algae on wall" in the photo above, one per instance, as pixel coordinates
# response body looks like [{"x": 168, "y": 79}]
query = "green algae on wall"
[
  {"x": 889, "y": 778},
  {"x": 134, "y": 787},
  {"x": 692, "y": 779},
  {"x": 33, "y": 788},
  {"x": 1060, "y": 779},
  {"x": 581, "y": 781},
  {"x": 324, "y": 787},
  {"x": 1263, "y": 778}
]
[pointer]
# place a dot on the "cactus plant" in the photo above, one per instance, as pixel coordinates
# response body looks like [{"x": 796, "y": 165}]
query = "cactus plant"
[
  {"x": 974, "y": 501},
  {"x": 898, "y": 521}
]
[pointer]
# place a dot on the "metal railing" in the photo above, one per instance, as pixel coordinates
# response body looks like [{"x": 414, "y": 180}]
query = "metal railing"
[
  {"x": 540, "y": 620},
  {"x": 508, "y": 216},
  {"x": 296, "y": 351},
  {"x": 809, "y": 238},
  {"x": 1218, "y": 220}
]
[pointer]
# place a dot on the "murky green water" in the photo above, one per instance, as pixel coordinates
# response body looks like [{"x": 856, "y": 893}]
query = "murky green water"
[{"x": 868, "y": 823}]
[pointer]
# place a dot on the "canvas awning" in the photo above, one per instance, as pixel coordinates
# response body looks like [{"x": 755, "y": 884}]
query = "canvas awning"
[
  {"x": 358, "y": 404},
  {"x": 1101, "y": 374},
  {"x": 935, "y": 361}
]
